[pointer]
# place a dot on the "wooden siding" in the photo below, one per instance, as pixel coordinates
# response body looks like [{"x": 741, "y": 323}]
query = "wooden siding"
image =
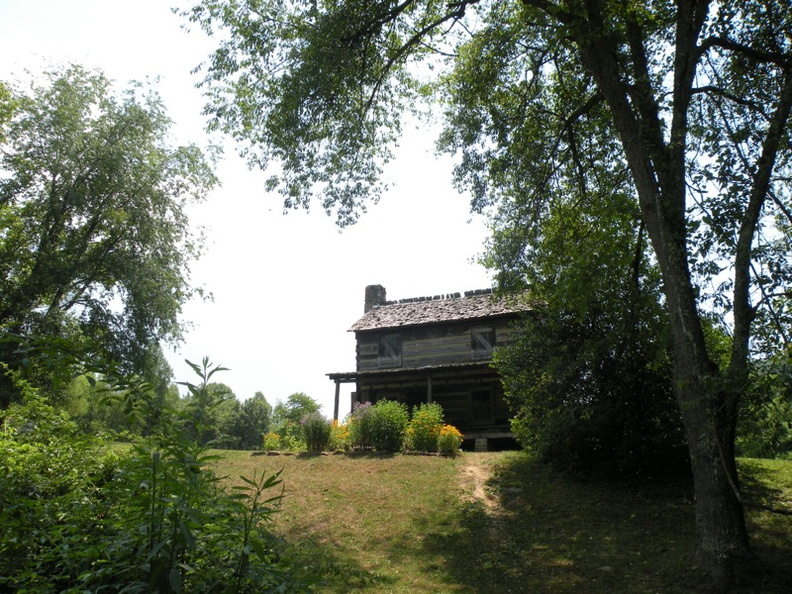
[{"x": 428, "y": 345}]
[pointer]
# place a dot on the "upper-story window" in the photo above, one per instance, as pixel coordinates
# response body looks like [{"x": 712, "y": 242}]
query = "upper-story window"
[
  {"x": 389, "y": 350},
  {"x": 482, "y": 341}
]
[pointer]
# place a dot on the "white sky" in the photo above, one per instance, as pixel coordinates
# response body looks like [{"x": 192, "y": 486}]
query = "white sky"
[{"x": 286, "y": 287}]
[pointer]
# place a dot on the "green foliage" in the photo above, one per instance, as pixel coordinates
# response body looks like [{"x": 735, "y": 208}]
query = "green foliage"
[
  {"x": 424, "y": 427},
  {"x": 7, "y": 107},
  {"x": 271, "y": 442},
  {"x": 306, "y": 81},
  {"x": 95, "y": 243},
  {"x": 286, "y": 417},
  {"x": 73, "y": 517},
  {"x": 91, "y": 403},
  {"x": 339, "y": 437},
  {"x": 764, "y": 429},
  {"x": 316, "y": 431},
  {"x": 203, "y": 403},
  {"x": 297, "y": 405},
  {"x": 388, "y": 425},
  {"x": 250, "y": 423},
  {"x": 593, "y": 395},
  {"x": 360, "y": 424}
]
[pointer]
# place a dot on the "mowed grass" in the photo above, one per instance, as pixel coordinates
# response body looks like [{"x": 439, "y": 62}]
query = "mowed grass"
[{"x": 501, "y": 522}]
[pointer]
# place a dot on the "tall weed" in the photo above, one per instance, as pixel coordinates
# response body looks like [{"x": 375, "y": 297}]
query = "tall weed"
[
  {"x": 316, "y": 432},
  {"x": 153, "y": 519},
  {"x": 388, "y": 425},
  {"x": 360, "y": 425}
]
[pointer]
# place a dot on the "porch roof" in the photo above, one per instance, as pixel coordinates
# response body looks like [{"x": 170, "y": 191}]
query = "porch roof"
[{"x": 352, "y": 376}]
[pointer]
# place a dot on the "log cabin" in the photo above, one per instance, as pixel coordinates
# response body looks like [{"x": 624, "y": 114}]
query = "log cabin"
[{"x": 436, "y": 349}]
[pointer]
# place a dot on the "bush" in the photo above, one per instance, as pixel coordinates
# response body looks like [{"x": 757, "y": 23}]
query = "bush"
[
  {"x": 593, "y": 395},
  {"x": 388, "y": 425},
  {"x": 272, "y": 442},
  {"x": 360, "y": 424},
  {"x": 449, "y": 440},
  {"x": 290, "y": 435},
  {"x": 764, "y": 429},
  {"x": 339, "y": 436},
  {"x": 316, "y": 432},
  {"x": 424, "y": 427},
  {"x": 152, "y": 519}
]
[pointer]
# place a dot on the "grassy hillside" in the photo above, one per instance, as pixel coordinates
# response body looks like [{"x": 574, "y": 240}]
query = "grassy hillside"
[{"x": 500, "y": 522}]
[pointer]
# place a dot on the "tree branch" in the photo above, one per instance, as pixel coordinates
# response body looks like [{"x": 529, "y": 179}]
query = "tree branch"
[
  {"x": 782, "y": 60},
  {"x": 714, "y": 90},
  {"x": 415, "y": 40}
]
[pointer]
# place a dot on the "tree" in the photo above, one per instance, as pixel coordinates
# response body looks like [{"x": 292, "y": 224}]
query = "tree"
[
  {"x": 287, "y": 417},
  {"x": 251, "y": 422},
  {"x": 297, "y": 405},
  {"x": 588, "y": 374},
  {"x": 95, "y": 243},
  {"x": 209, "y": 411},
  {"x": 689, "y": 101}
]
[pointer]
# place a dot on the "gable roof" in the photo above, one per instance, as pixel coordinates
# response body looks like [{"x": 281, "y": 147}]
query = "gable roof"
[{"x": 443, "y": 308}]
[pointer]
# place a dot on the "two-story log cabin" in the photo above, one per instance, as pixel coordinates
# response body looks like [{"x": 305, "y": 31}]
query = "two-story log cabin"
[{"x": 435, "y": 349}]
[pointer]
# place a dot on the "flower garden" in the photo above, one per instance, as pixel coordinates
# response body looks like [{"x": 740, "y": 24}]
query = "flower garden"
[{"x": 386, "y": 426}]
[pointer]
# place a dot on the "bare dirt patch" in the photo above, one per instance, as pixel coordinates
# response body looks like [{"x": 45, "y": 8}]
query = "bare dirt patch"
[{"x": 474, "y": 476}]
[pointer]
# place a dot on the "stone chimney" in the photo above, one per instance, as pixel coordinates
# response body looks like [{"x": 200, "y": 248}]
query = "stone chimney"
[{"x": 375, "y": 296}]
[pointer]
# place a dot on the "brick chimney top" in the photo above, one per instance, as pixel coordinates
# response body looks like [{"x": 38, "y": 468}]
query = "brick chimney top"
[{"x": 375, "y": 296}]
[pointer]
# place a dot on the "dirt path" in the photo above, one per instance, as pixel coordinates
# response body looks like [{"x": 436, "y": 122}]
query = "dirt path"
[{"x": 474, "y": 476}]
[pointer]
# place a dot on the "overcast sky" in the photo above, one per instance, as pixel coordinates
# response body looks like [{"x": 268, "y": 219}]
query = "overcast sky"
[{"x": 286, "y": 287}]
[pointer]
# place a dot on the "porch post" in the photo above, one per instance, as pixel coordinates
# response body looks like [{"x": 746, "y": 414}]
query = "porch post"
[{"x": 337, "y": 393}]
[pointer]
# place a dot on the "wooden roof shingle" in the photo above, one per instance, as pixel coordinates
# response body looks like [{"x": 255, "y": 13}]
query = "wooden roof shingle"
[{"x": 421, "y": 311}]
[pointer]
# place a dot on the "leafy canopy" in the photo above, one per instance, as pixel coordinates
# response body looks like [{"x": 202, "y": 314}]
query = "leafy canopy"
[
  {"x": 95, "y": 243},
  {"x": 682, "y": 106}
]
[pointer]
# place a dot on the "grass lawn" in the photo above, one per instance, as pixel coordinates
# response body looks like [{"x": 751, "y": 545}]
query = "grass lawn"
[{"x": 501, "y": 522}]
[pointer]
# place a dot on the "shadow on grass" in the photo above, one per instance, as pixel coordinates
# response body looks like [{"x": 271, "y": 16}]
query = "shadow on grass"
[
  {"x": 766, "y": 486},
  {"x": 550, "y": 533},
  {"x": 366, "y": 454},
  {"x": 330, "y": 569},
  {"x": 760, "y": 485},
  {"x": 538, "y": 532}
]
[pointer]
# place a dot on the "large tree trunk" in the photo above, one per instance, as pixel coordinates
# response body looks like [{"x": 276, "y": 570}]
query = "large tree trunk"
[
  {"x": 722, "y": 539},
  {"x": 708, "y": 410},
  {"x": 658, "y": 169}
]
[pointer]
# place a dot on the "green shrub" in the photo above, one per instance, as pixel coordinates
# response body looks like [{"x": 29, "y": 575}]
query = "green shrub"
[
  {"x": 290, "y": 436},
  {"x": 388, "y": 425},
  {"x": 150, "y": 519},
  {"x": 764, "y": 429},
  {"x": 424, "y": 427},
  {"x": 316, "y": 432},
  {"x": 360, "y": 424},
  {"x": 287, "y": 420}
]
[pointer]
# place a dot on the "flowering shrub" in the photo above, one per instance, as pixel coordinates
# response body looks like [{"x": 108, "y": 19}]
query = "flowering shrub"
[
  {"x": 339, "y": 436},
  {"x": 424, "y": 427},
  {"x": 388, "y": 425},
  {"x": 360, "y": 425},
  {"x": 316, "y": 431},
  {"x": 449, "y": 440},
  {"x": 272, "y": 442}
]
